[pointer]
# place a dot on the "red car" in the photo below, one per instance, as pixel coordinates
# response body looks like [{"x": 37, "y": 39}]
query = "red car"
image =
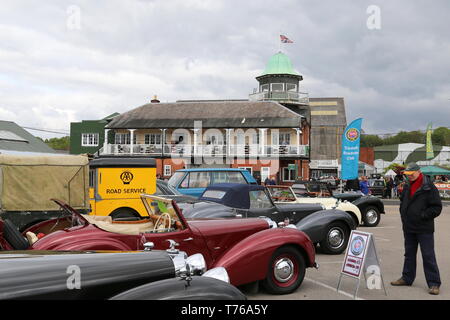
[{"x": 250, "y": 250}]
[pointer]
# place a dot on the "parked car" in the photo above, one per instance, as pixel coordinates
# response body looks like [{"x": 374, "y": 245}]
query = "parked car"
[
  {"x": 370, "y": 207},
  {"x": 377, "y": 187},
  {"x": 285, "y": 194},
  {"x": 329, "y": 228},
  {"x": 193, "y": 182},
  {"x": 249, "y": 249},
  {"x": 98, "y": 275},
  {"x": 304, "y": 188}
]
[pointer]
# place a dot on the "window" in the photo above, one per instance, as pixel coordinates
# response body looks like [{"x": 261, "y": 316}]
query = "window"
[
  {"x": 265, "y": 173},
  {"x": 124, "y": 138},
  {"x": 179, "y": 138},
  {"x": 259, "y": 200},
  {"x": 277, "y": 86},
  {"x": 89, "y": 139},
  {"x": 291, "y": 87},
  {"x": 167, "y": 170},
  {"x": 91, "y": 178},
  {"x": 284, "y": 139},
  {"x": 214, "y": 139},
  {"x": 264, "y": 87},
  {"x": 228, "y": 177},
  {"x": 153, "y": 138},
  {"x": 196, "y": 180},
  {"x": 173, "y": 181},
  {"x": 214, "y": 194},
  {"x": 11, "y": 136},
  {"x": 288, "y": 174}
]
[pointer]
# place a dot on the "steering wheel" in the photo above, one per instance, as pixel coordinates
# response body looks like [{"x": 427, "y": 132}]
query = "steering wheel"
[{"x": 158, "y": 222}]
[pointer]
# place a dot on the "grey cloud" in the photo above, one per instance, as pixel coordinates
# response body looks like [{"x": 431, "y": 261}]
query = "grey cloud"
[{"x": 127, "y": 51}]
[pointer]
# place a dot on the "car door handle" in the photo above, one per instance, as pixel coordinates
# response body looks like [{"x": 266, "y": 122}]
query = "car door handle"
[
  {"x": 276, "y": 212},
  {"x": 188, "y": 239}
]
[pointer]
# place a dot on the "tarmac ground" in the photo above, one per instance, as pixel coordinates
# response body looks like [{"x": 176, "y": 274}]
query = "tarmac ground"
[{"x": 322, "y": 284}]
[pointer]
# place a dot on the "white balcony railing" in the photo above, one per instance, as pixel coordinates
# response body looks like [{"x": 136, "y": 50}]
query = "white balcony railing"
[
  {"x": 299, "y": 97},
  {"x": 186, "y": 150}
]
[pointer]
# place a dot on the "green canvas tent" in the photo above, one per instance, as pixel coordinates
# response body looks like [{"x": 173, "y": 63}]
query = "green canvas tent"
[{"x": 434, "y": 171}]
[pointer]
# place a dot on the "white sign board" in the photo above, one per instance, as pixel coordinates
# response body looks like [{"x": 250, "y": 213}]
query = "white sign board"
[
  {"x": 356, "y": 254},
  {"x": 361, "y": 259}
]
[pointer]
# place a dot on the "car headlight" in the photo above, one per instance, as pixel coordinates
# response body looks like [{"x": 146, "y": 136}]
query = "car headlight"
[
  {"x": 219, "y": 273},
  {"x": 188, "y": 266},
  {"x": 179, "y": 262},
  {"x": 196, "y": 264}
]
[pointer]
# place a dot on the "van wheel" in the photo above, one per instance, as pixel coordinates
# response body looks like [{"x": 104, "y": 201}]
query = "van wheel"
[{"x": 125, "y": 214}]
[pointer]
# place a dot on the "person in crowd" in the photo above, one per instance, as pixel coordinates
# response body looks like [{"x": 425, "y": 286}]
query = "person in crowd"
[
  {"x": 270, "y": 181},
  {"x": 364, "y": 185},
  {"x": 389, "y": 186},
  {"x": 352, "y": 185},
  {"x": 420, "y": 204}
]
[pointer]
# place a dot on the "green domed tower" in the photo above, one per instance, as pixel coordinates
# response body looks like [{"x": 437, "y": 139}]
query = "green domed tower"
[{"x": 279, "y": 82}]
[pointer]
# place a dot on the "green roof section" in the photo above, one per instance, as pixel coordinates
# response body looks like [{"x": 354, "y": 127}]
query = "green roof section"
[
  {"x": 14, "y": 138},
  {"x": 279, "y": 64}
]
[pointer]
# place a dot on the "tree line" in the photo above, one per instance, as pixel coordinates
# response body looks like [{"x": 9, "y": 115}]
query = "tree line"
[
  {"x": 440, "y": 136},
  {"x": 57, "y": 143}
]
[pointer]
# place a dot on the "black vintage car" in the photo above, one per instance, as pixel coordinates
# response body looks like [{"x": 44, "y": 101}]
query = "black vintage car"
[
  {"x": 66, "y": 275},
  {"x": 329, "y": 228},
  {"x": 371, "y": 207},
  {"x": 377, "y": 187}
]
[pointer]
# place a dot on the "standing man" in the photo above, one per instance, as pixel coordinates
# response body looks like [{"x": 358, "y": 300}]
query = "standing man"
[{"x": 420, "y": 203}]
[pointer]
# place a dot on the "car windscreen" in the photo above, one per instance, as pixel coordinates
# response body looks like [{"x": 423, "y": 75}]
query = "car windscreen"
[
  {"x": 281, "y": 194},
  {"x": 175, "y": 179}
]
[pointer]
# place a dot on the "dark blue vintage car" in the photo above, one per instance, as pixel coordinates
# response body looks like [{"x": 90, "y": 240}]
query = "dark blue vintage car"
[
  {"x": 139, "y": 275},
  {"x": 329, "y": 228}
]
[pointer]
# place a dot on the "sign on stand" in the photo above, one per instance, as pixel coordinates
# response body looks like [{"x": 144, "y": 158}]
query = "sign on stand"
[{"x": 361, "y": 259}]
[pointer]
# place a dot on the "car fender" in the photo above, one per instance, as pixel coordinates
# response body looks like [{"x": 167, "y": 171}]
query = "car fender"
[
  {"x": 350, "y": 208},
  {"x": 315, "y": 225},
  {"x": 365, "y": 201},
  {"x": 197, "y": 288},
  {"x": 248, "y": 260}
]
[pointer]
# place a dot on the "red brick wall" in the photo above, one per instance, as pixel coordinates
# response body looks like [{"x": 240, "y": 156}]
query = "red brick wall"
[{"x": 367, "y": 155}]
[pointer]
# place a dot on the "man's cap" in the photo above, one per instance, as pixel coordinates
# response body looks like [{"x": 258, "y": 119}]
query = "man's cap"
[{"x": 411, "y": 168}]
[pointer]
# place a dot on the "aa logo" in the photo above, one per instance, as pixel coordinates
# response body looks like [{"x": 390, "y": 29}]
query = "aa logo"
[
  {"x": 374, "y": 279},
  {"x": 74, "y": 280},
  {"x": 126, "y": 177}
]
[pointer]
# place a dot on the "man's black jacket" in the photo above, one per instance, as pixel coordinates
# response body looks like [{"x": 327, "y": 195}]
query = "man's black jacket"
[{"x": 418, "y": 212}]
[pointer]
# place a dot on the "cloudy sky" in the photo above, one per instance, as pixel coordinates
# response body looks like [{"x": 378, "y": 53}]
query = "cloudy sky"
[{"x": 66, "y": 61}]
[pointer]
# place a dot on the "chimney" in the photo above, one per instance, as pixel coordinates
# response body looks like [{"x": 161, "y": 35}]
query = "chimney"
[{"x": 155, "y": 99}]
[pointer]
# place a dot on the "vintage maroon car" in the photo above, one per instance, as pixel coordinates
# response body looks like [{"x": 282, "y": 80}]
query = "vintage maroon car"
[{"x": 253, "y": 249}]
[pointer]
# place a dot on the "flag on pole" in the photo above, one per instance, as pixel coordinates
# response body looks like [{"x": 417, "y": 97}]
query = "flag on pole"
[
  {"x": 285, "y": 39},
  {"x": 429, "y": 145},
  {"x": 350, "y": 150}
]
